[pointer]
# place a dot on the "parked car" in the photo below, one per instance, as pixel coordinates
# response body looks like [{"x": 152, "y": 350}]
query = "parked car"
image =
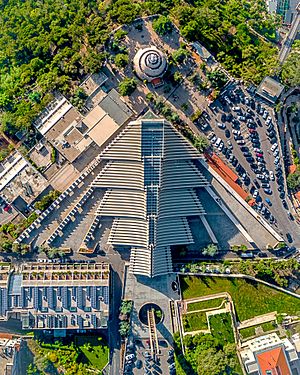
[
  {"x": 268, "y": 201},
  {"x": 271, "y": 173},
  {"x": 221, "y": 125},
  {"x": 276, "y": 160}
]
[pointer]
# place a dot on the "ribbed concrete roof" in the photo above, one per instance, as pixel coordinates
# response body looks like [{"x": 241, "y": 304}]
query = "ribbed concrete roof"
[
  {"x": 150, "y": 179},
  {"x": 150, "y": 63}
]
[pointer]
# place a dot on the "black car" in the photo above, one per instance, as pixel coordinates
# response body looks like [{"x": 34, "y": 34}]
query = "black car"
[
  {"x": 289, "y": 237},
  {"x": 247, "y": 153},
  {"x": 259, "y": 122},
  {"x": 262, "y": 255},
  {"x": 235, "y": 121},
  {"x": 273, "y": 140},
  {"x": 253, "y": 166},
  {"x": 229, "y": 117},
  {"x": 258, "y": 107},
  {"x": 250, "y": 159},
  {"x": 256, "y": 183},
  {"x": 244, "y": 149},
  {"x": 284, "y": 204},
  {"x": 235, "y": 162},
  {"x": 227, "y": 133},
  {"x": 272, "y": 134},
  {"x": 223, "y": 117},
  {"x": 280, "y": 188},
  {"x": 282, "y": 196},
  {"x": 224, "y": 150},
  {"x": 251, "y": 126}
]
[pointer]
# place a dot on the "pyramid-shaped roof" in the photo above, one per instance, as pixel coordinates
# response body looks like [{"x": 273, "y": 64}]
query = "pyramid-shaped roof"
[
  {"x": 273, "y": 361},
  {"x": 150, "y": 180}
]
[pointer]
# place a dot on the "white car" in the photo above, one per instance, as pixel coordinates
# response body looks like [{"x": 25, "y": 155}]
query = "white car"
[
  {"x": 276, "y": 152},
  {"x": 211, "y": 135},
  {"x": 229, "y": 145},
  {"x": 221, "y": 126},
  {"x": 236, "y": 132},
  {"x": 276, "y": 160},
  {"x": 129, "y": 356},
  {"x": 240, "y": 142},
  {"x": 247, "y": 100},
  {"x": 269, "y": 118},
  {"x": 258, "y": 150},
  {"x": 220, "y": 148},
  {"x": 260, "y": 176},
  {"x": 273, "y": 148},
  {"x": 242, "y": 118},
  {"x": 272, "y": 178},
  {"x": 265, "y": 115},
  {"x": 214, "y": 138},
  {"x": 236, "y": 109},
  {"x": 255, "y": 194}
]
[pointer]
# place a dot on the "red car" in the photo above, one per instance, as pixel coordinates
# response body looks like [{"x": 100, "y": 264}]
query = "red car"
[
  {"x": 252, "y": 131},
  {"x": 259, "y": 155},
  {"x": 7, "y": 208}
]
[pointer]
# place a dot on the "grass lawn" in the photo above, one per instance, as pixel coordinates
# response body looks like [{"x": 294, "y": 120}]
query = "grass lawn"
[
  {"x": 221, "y": 328},
  {"x": 250, "y": 331},
  {"x": 97, "y": 356},
  {"x": 250, "y": 298},
  {"x": 194, "y": 322},
  {"x": 201, "y": 305},
  {"x": 247, "y": 332}
]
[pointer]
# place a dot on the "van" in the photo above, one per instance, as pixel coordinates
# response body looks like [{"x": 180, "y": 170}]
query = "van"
[{"x": 218, "y": 142}]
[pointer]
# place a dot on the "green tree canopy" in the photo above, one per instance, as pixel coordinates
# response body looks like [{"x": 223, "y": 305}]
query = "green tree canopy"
[
  {"x": 210, "y": 250},
  {"x": 291, "y": 68},
  {"x": 162, "y": 25},
  {"x": 127, "y": 86},
  {"x": 121, "y": 60}
]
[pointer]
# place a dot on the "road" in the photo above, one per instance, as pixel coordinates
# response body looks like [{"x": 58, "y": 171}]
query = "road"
[
  {"x": 286, "y": 46},
  {"x": 283, "y": 225}
]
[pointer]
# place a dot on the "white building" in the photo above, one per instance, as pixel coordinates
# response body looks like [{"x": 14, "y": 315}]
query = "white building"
[
  {"x": 150, "y": 64},
  {"x": 269, "y": 355}
]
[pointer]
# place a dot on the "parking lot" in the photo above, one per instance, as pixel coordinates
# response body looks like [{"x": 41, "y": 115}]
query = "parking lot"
[
  {"x": 243, "y": 132},
  {"x": 138, "y": 359}
]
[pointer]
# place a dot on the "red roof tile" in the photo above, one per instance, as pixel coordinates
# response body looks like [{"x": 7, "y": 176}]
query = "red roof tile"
[{"x": 273, "y": 362}]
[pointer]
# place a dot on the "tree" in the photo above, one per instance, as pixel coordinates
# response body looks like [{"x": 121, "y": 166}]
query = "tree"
[
  {"x": 127, "y": 86},
  {"x": 210, "y": 250},
  {"x": 211, "y": 361},
  {"x": 293, "y": 180},
  {"x": 121, "y": 60},
  {"x": 201, "y": 143},
  {"x": 217, "y": 78},
  {"x": 291, "y": 68},
  {"x": 124, "y": 328},
  {"x": 180, "y": 55},
  {"x": 162, "y": 25},
  {"x": 177, "y": 77},
  {"x": 126, "y": 307}
]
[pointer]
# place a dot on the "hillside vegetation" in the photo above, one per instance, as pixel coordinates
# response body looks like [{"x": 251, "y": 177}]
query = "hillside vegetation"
[{"x": 51, "y": 44}]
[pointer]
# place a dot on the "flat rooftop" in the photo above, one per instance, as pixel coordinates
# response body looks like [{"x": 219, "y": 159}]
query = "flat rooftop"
[
  {"x": 18, "y": 178},
  {"x": 270, "y": 89}
]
